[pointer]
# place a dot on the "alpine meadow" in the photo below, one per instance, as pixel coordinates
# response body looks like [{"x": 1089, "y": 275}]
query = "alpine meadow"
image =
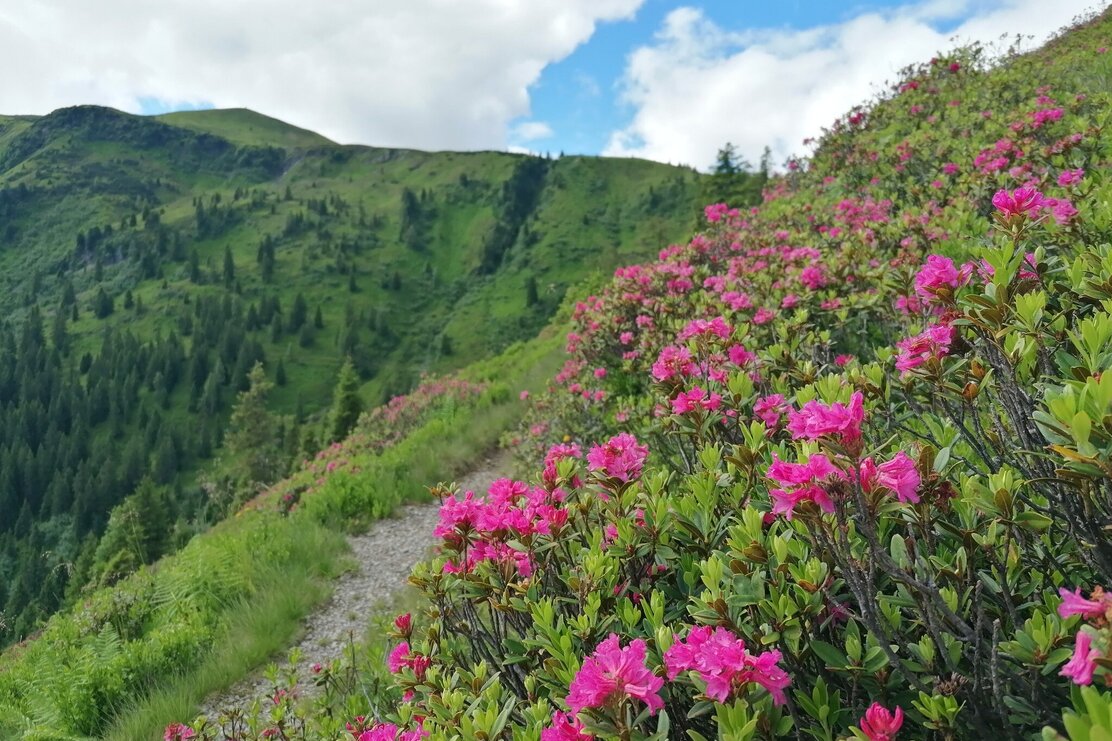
[{"x": 814, "y": 450}]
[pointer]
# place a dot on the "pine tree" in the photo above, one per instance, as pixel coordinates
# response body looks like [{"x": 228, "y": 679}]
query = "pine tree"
[
  {"x": 229, "y": 267},
  {"x": 347, "y": 405},
  {"x": 253, "y": 432}
]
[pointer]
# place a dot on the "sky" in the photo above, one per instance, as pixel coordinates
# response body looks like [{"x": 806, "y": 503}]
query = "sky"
[{"x": 666, "y": 80}]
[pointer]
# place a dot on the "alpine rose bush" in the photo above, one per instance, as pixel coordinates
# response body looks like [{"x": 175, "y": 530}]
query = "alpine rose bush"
[{"x": 847, "y": 461}]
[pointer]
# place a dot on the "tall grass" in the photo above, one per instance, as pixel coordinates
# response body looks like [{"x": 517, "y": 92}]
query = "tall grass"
[{"x": 258, "y": 627}]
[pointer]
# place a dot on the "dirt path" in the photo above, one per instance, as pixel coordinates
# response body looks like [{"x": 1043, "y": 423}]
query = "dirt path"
[{"x": 385, "y": 555}]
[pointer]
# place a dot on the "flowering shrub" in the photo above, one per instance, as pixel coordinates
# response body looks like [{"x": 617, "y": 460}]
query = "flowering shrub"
[{"x": 847, "y": 455}]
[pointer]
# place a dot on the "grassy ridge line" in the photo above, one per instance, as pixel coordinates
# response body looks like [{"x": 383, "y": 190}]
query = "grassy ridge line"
[{"x": 207, "y": 616}]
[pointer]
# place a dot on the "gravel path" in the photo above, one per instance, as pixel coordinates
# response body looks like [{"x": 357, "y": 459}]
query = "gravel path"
[{"x": 385, "y": 555}]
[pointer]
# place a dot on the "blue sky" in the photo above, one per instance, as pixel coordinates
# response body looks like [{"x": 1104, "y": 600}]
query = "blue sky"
[
  {"x": 580, "y": 97},
  {"x": 659, "y": 79}
]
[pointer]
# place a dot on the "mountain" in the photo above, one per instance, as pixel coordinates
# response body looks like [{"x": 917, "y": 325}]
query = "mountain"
[{"x": 150, "y": 262}]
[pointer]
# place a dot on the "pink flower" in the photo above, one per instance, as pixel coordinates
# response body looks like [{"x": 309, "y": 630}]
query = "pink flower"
[
  {"x": 881, "y": 724},
  {"x": 523, "y": 395},
  {"x": 1081, "y": 666},
  {"x": 615, "y": 671},
  {"x": 769, "y": 408},
  {"x": 404, "y": 624},
  {"x": 1020, "y": 202},
  {"x": 724, "y": 665},
  {"x": 938, "y": 275},
  {"x": 816, "y": 420},
  {"x": 739, "y": 356},
  {"x": 672, "y": 362},
  {"x": 1074, "y": 604},
  {"x": 1062, "y": 210},
  {"x": 716, "y": 327},
  {"x": 565, "y": 728},
  {"x": 950, "y": 168},
  {"x": 931, "y": 344},
  {"x": 398, "y": 658},
  {"x": 621, "y": 457},
  {"x": 842, "y": 360},
  {"x": 694, "y": 399},
  {"x": 1070, "y": 177},
  {"x": 898, "y": 475},
  {"x": 178, "y": 732}
]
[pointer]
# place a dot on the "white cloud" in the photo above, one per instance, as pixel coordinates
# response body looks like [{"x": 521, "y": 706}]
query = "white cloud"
[
  {"x": 698, "y": 85},
  {"x": 528, "y": 131},
  {"x": 418, "y": 73}
]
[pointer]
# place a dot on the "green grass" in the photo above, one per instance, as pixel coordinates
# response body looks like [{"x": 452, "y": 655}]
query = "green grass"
[
  {"x": 258, "y": 629},
  {"x": 246, "y": 128}
]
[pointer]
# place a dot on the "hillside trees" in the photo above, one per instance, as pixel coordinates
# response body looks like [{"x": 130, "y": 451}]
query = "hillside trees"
[{"x": 347, "y": 405}]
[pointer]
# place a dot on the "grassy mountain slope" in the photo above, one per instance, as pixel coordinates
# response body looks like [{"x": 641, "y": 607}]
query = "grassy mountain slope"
[
  {"x": 149, "y": 262},
  {"x": 245, "y": 127}
]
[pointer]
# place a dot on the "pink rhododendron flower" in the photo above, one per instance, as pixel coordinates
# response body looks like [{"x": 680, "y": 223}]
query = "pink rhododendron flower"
[
  {"x": 1074, "y": 604},
  {"x": 673, "y": 362},
  {"x": 615, "y": 671},
  {"x": 1070, "y": 177},
  {"x": 724, "y": 665},
  {"x": 390, "y": 732},
  {"x": 621, "y": 457},
  {"x": 178, "y": 732},
  {"x": 404, "y": 624},
  {"x": 938, "y": 275},
  {"x": 1081, "y": 666},
  {"x": 716, "y": 327},
  {"x": 899, "y": 475},
  {"x": 696, "y": 398},
  {"x": 804, "y": 482},
  {"x": 881, "y": 724},
  {"x": 565, "y": 728},
  {"x": 931, "y": 344},
  {"x": 739, "y": 356},
  {"x": 769, "y": 408},
  {"x": 1020, "y": 202},
  {"x": 842, "y": 360},
  {"x": 816, "y": 419},
  {"x": 763, "y": 316},
  {"x": 398, "y": 658}
]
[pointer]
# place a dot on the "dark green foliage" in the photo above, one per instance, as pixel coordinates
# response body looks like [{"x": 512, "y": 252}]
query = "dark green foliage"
[
  {"x": 347, "y": 405},
  {"x": 148, "y": 266}
]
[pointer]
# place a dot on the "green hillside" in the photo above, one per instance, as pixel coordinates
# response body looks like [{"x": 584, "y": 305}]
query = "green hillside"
[
  {"x": 149, "y": 262},
  {"x": 244, "y": 127}
]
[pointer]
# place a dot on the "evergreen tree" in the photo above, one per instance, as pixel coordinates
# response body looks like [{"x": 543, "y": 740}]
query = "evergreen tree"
[
  {"x": 229, "y": 267},
  {"x": 347, "y": 405},
  {"x": 253, "y": 432}
]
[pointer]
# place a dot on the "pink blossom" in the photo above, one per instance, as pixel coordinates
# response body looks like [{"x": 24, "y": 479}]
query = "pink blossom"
[
  {"x": 843, "y": 360},
  {"x": 696, "y": 398},
  {"x": 939, "y": 274},
  {"x": 178, "y": 732},
  {"x": 615, "y": 671},
  {"x": 524, "y": 394},
  {"x": 716, "y": 327},
  {"x": 950, "y": 168},
  {"x": 1081, "y": 666},
  {"x": 763, "y": 316},
  {"x": 881, "y": 724},
  {"x": 1020, "y": 202},
  {"x": 398, "y": 658},
  {"x": 1070, "y": 177},
  {"x": 769, "y": 408},
  {"x": 565, "y": 727},
  {"x": 1074, "y": 604},
  {"x": 899, "y": 475},
  {"x": 621, "y": 457},
  {"x": 739, "y": 356},
  {"x": 816, "y": 420},
  {"x": 404, "y": 624},
  {"x": 673, "y": 361},
  {"x": 931, "y": 344},
  {"x": 724, "y": 664}
]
